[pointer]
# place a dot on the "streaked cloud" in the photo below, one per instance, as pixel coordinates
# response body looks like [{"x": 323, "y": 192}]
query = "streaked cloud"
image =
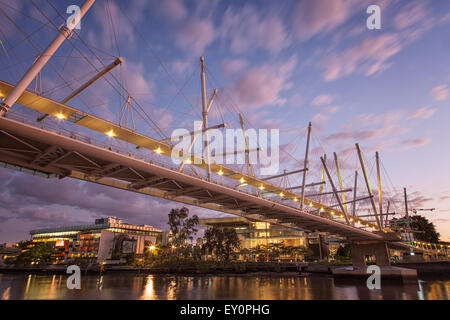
[
  {"x": 195, "y": 34},
  {"x": 322, "y": 100},
  {"x": 249, "y": 29},
  {"x": 174, "y": 10},
  {"x": 261, "y": 86},
  {"x": 233, "y": 66},
  {"x": 424, "y": 113},
  {"x": 439, "y": 93},
  {"x": 369, "y": 57},
  {"x": 311, "y": 18},
  {"x": 412, "y": 143}
]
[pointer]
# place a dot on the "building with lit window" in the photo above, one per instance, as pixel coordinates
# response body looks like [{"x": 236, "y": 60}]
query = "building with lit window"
[
  {"x": 106, "y": 240},
  {"x": 255, "y": 233},
  {"x": 8, "y": 251}
]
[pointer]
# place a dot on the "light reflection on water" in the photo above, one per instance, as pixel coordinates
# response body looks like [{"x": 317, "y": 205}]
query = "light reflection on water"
[{"x": 155, "y": 287}]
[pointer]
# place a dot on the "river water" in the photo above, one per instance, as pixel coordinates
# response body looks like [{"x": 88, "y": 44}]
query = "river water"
[{"x": 112, "y": 286}]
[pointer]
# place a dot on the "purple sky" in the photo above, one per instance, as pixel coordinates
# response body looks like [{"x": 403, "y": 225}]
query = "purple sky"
[{"x": 281, "y": 63}]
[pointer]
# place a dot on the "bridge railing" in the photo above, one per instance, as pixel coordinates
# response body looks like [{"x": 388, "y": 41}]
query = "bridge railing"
[{"x": 82, "y": 138}]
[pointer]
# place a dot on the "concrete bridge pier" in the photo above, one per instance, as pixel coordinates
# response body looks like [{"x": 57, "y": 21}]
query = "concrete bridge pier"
[{"x": 370, "y": 252}]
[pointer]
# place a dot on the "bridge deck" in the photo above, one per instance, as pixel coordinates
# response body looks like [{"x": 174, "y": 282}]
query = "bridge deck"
[
  {"x": 120, "y": 133},
  {"x": 50, "y": 152}
]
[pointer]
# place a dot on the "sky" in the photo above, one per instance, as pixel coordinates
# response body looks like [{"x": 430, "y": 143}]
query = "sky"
[{"x": 280, "y": 63}]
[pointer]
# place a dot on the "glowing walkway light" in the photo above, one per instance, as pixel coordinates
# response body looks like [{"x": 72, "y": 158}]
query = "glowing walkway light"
[{"x": 60, "y": 116}]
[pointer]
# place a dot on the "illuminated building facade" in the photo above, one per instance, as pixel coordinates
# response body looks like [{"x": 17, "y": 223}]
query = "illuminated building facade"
[
  {"x": 8, "y": 251},
  {"x": 106, "y": 239},
  {"x": 254, "y": 233}
]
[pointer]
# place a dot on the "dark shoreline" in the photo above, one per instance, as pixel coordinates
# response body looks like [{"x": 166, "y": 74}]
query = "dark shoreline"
[{"x": 441, "y": 268}]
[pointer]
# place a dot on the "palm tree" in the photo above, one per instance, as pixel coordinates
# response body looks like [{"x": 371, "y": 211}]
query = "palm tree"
[{"x": 427, "y": 231}]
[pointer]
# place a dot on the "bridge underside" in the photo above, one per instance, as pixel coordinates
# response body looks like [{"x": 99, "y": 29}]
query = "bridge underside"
[{"x": 48, "y": 152}]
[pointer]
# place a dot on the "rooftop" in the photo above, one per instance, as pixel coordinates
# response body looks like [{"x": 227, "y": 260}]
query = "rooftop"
[{"x": 103, "y": 223}]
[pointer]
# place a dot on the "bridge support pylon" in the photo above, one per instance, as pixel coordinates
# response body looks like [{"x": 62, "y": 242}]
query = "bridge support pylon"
[{"x": 370, "y": 252}]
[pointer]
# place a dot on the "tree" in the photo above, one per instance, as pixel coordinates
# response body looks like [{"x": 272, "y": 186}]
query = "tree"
[
  {"x": 427, "y": 230},
  {"x": 222, "y": 242},
  {"x": 37, "y": 253},
  {"x": 294, "y": 252},
  {"x": 259, "y": 252},
  {"x": 182, "y": 228},
  {"x": 344, "y": 252},
  {"x": 131, "y": 259},
  {"x": 274, "y": 250}
]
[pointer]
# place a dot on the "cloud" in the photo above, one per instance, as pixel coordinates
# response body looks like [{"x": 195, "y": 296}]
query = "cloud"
[
  {"x": 311, "y": 18},
  {"x": 192, "y": 27},
  {"x": 339, "y": 136},
  {"x": 247, "y": 29},
  {"x": 332, "y": 109},
  {"x": 165, "y": 119},
  {"x": 13, "y": 9},
  {"x": 262, "y": 85},
  {"x": 369, "y": 57},
  {"x": 322, "y": 100},
  {"x": 319, "y": 121},
  {"x": 174, "y": 10},
  {"x": 439, "y": 93},
  {"x": 29, "y": 202},
  {"x": 412, "y": 143},
  {"x": 135, "y": 81},
  {"x": 114, "y": 25},
  {"x": 372, "y": 55},
  {"x": 411, "y": 15},
  {"x": 45, "y": 215},
  {"x": 233, "y": 66},
  {"x": 181, "y": 66},
  {"x": 416, "y": 199},
  {"x": 195, "y": 34},
  {"x": 416, "y": 17},
  {"x": 60, "y": 201},
  {"x": 368, "y": 127},
  {"x": 359, "y": 135},
  {"x": 423, "y": 113}
]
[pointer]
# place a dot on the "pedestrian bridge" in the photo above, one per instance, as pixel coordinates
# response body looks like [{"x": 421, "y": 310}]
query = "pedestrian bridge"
[{"x": 54, "y": 152}]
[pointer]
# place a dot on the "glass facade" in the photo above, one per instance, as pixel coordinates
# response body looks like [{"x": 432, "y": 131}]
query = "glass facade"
[
  {"x": 95, "y": 241},
  {"x": 255, "y": 233}
]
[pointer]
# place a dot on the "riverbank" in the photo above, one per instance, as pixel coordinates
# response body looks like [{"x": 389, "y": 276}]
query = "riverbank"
[
  {"x": 237, "y": 268},
  {"x": 172, "y": 268},
  {"x": 427, "y": 268}
]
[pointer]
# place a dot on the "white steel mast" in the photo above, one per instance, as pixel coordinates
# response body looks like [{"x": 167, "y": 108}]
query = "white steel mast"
[{"x": 64, "y": 32}]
